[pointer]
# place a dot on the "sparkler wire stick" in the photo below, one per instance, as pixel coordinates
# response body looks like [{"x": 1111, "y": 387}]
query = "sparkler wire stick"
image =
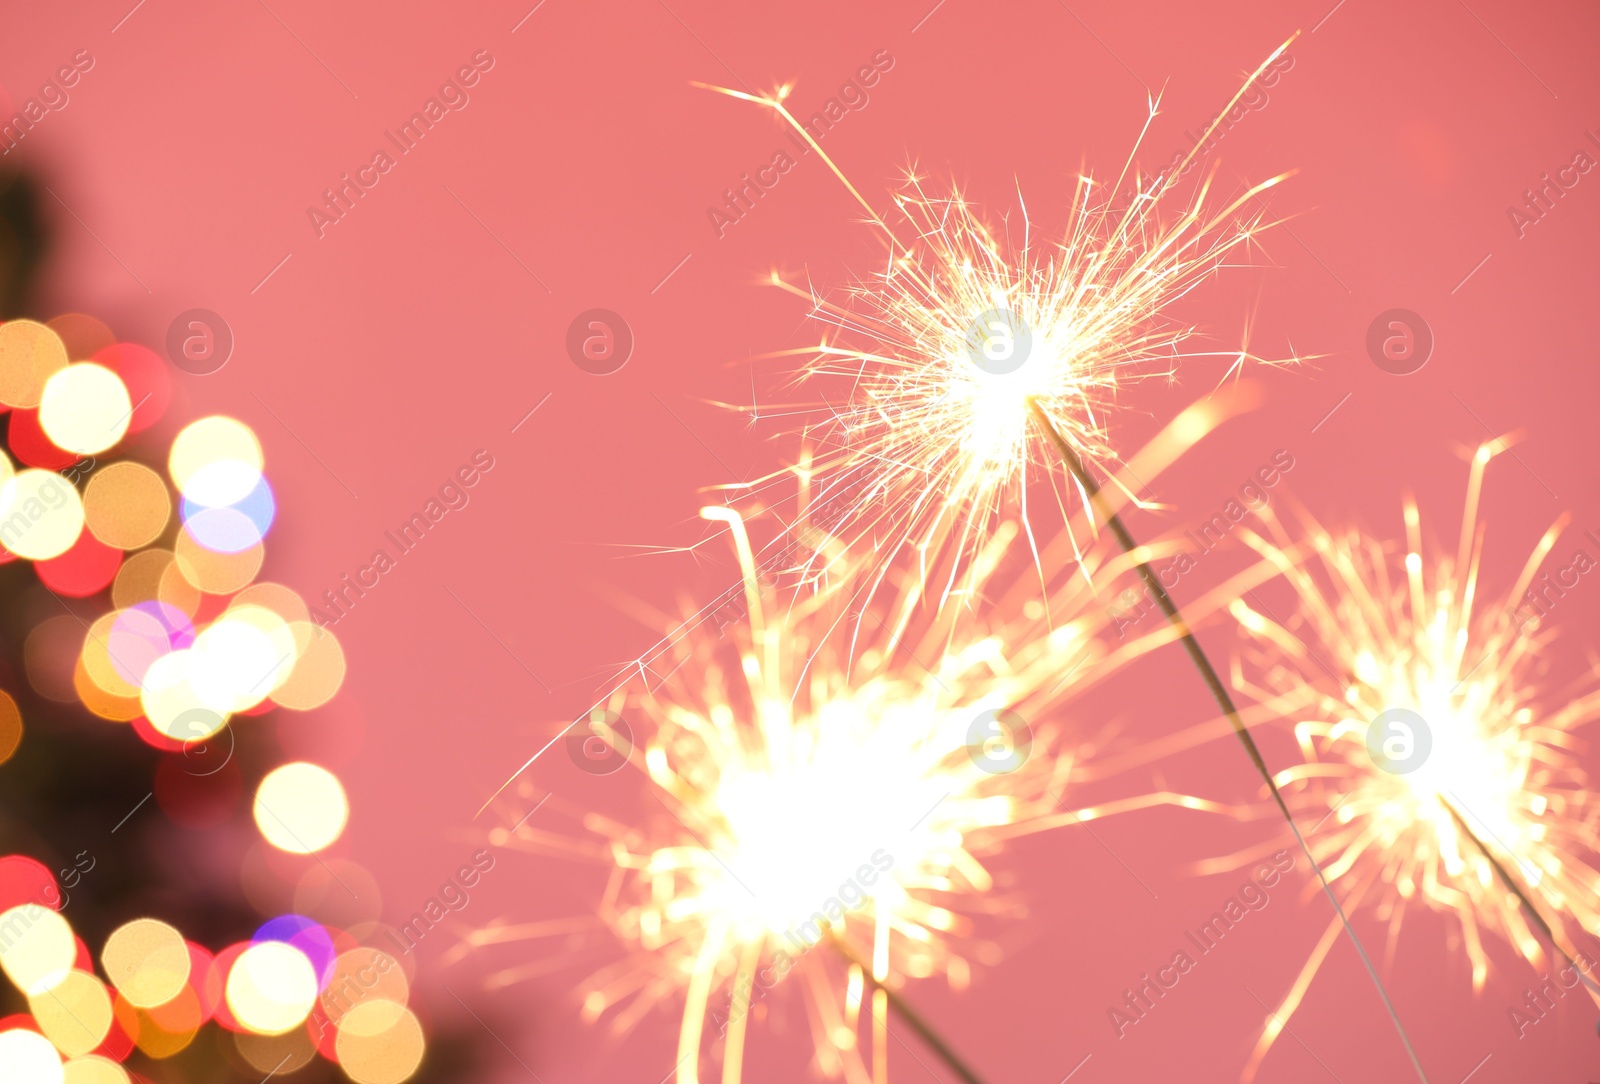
[
  {"x": 1214, "y": 682},
  {"x": 1409, "y": 645},
  {"x": 923, "y": 1029},
  {"x": 1093, "y": 495},
  {"x": 1522, "y": 897}
]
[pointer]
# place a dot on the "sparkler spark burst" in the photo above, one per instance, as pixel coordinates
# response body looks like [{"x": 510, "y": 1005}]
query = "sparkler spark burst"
[
  {"x": 801, "y": 792},
  {"x": 947, "y": 347},
  {"x": 815, "y": 770},
  {"x": 1421, "y": 713},
  {"x": 941, "y": 353}
]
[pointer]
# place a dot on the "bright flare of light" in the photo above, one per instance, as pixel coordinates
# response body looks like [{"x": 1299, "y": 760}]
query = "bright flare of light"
[
  {"x": 10, "y": 726},
  {"x": 29, "y": 1058},
  {"x": 271, "y": 987},
  {"x": 241, "y": 658},
  {"x": 929, "y": 367},
  {"x": 214, "y": 572},
  {"x": 85, "y": 408},
  {"x": 814, "y": 774},
  {"x": 147, "y": 961},
  {"x": 216, "y": 461},
  {"x": 379, "y": 1042},
  {"x": 282, "y": 601},
  {"x": 94, "y": 1069},
  {"x": 37, "y": 949},
  {"x": 41, "y": 515},
  {"x": 173, "y": 704},
  {"x": 29, "y": 354},
  {"x": 301, "y": 808},
  {"x": 376, "y": 972},
  {"x": 318, "y": 672},
  {"x": 75, "y": 1015},
  {"x": 126, "y": 505},
  {"x": 791, "y": 785},
  {"x": 1374, "y": 634}
]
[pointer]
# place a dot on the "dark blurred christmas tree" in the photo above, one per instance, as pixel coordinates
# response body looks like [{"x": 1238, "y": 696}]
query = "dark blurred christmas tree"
[{"x": 130, "y": 826}]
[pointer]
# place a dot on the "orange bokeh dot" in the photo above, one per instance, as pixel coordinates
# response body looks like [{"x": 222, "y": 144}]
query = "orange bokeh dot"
[
  {"x": 380, "y": 1043},
  {"x": 216, "y": 573},
  {"x": 183, "y": 1013},
  {"x": 155, "y": 1041},
  {"x": 284, "y": 602},
  {"x": 117, "y": 709},
  {"x": 116, "y": 673},
  {"x": 118, "y": 1042},
  {"x": 29, "y": 353},
  {"x": 139, "y": 579},
  {"x": 177, "y": 591},
  {"x": 75, "y": 1013},
  {"x": 10, "y": 726},
  {"x": 317, "y": 673},
  {"x": 124, "y": 1019},
  {"x": 126, "y": 505}
]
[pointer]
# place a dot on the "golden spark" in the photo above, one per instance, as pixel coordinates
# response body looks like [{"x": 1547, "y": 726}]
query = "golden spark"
[
  {"x": 969, "y": 336},
  {"x": 815, "y": 782},
  {"x": 1445, "y": 769},
  {"x": 942, "y": 355}
]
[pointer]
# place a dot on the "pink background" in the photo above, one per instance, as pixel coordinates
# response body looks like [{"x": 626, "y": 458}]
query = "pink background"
[{"x": 378, "y": 358}]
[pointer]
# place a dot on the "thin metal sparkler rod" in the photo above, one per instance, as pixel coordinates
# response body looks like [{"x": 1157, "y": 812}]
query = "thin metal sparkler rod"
[
  {"x": 923, "y": 1029},
  {"x": 1219, "y": 690},
  {"x": 1522, "y": 897}
]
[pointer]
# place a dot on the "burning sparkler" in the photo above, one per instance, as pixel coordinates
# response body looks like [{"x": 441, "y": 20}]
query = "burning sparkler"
[
  {"x": 948, "y": 352},
  {"x": 824, "y": 783},
  {"x": 1446, "y": 769},
  {"x": 970, "y": 341}
]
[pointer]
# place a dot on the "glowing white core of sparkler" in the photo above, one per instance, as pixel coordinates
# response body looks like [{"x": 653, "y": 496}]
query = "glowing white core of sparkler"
[
  {"x": 996, "y": 404},
  {"x": 1476, "y": 762},
  {"x": 985, "y": 410},
  {"x": 802, "y": 816}
]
